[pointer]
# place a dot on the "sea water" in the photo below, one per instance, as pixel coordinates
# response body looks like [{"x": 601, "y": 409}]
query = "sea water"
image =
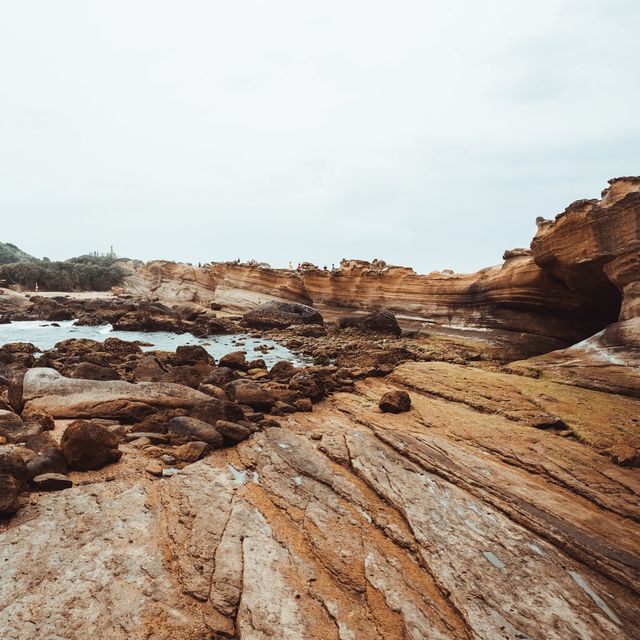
[{"x": 45, "y": 335}]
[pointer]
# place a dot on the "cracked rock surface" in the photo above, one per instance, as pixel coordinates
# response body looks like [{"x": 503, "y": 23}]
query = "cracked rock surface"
[{"x": 460, "y": 518}]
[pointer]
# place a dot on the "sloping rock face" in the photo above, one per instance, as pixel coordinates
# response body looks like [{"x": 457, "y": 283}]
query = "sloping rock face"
[
  {"x": 46, "y": 390},
  {"x": 458, "y": 519},
  {"x": 593, "y": 248}
]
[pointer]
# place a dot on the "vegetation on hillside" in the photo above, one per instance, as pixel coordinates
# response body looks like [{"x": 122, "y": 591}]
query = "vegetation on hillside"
[
  {"x": 10, "y": 253},
  {"x": 84, "y": 273}
]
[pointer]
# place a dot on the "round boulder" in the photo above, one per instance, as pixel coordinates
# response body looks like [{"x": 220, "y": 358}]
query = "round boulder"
[
  {"x": 89, "y": 446},
  {"x": 380, "y": 321},
  {"x": 395, "y": 402}
]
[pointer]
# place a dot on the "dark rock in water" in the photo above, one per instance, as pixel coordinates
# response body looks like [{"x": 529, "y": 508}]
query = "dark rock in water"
[
  {"x": 380, "y": 321},
  {"x": 51, "y": 482},
  {"x": 189, "y": 429},
  {"x": 192, "y": 354},
  {"x": 89, "y": 446},
  {"x": 279, "y": 315},
  {"x": 235, "y": 360},
  {"x": 395, "y": 402}
]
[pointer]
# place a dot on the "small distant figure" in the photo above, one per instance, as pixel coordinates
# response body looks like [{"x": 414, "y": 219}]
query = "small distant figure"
[
  {"x": 290, "y": 266},
  {"x": 333, "y": 267},
  {"x": 298, "y": 267},
  {"x": 36, "y": 287},
  {"x": 325, "y": 268}
]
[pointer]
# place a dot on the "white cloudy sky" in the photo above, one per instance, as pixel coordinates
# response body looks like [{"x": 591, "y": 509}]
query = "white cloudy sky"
[{"x": 427, "y": 133}]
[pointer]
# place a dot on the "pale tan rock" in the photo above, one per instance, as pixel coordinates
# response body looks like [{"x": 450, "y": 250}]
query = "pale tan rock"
[{"x": 46, "y": 390}]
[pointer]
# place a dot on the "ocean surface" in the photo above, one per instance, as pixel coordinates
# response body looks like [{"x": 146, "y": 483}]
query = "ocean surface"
[{"x": 45, "y": 336}]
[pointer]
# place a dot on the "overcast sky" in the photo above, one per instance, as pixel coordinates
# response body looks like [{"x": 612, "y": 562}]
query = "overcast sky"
[{"x": 430, "y": 134}]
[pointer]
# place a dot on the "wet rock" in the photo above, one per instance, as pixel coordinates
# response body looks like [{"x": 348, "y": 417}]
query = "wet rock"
[
  {"x": 380, "y": 321},
  {"x": 236, "y": 360},
  {"x": 395, "y": 402},
  {"x": 51, "y": 482},
  {"x": 88, "y": 446},
  {"x": 279, "y": 315},
  {"x": 187, "y": 429},
  {"x": 192, "y": 354}
]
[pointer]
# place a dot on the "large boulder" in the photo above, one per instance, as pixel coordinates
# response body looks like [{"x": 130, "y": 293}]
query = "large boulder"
[
  {"x": 87, "y": 445},
  {"x": 236, "y": 360},
  {"x": 250, "y": 393},
  {"x": 279, "y": 315},
  {"x": 192, "y": 354},
  {"x": 47, "y": 390},
  {"x": 379, "y": 321}
]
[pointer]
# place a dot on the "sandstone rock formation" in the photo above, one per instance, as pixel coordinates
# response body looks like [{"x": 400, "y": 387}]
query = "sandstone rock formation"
[
  {"x": 46, "y": 390},
  {"x": 412, "y": 487}
]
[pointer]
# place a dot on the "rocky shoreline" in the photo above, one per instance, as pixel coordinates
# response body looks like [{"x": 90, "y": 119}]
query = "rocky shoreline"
[{"x": 459, "y": 458}]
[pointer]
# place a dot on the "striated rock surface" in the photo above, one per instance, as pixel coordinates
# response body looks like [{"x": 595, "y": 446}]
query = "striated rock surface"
[
  {"x": 459, "y": 519},
  {"x": 566, "y": 288}
]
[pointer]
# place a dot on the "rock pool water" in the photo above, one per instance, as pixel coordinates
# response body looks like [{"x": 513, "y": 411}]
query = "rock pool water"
[{"x": 45, "y": 335}]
